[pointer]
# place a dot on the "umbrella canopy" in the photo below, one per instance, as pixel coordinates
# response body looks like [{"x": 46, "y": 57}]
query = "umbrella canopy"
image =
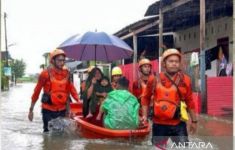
[{"x": 96, "y": 46}]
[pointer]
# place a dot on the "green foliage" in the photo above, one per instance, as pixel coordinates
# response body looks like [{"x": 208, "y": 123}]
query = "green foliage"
[
  {"x": 18, "y": 68},
  {"x": 27, "y": 79}
]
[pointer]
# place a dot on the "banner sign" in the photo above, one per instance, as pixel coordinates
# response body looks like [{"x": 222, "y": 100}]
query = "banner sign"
[{"x": 7, "y": 71}]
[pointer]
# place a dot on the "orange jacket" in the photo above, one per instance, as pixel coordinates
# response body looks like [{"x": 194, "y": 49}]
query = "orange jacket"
[
  {"x": 138, "y": 87},
  {"x": 184, "y": 87},
  {"x": 45, "y": 83}
]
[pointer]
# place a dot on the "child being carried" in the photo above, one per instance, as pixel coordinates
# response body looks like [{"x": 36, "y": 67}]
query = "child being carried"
[{"x": 101, "y": 93}]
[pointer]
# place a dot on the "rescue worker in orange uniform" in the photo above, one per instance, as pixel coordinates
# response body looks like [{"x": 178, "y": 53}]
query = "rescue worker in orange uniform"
[
  {"x": 145, "y": 68},
  {"x": 56, "y": 89},
  {"x": 166, "y": 120},
  {"x": 146, "y": 77},
  {"x": 116, "y": 74}
]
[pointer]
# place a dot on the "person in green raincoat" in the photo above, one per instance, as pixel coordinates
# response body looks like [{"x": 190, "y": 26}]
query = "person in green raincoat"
[{"x": 120, "y": 108}]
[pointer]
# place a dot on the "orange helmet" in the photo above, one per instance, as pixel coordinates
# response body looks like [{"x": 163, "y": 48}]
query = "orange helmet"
[
  {"x": 170, "y": 52},
  {"x": 144, "y": 61},
  {"x": 56, "y": 52}
]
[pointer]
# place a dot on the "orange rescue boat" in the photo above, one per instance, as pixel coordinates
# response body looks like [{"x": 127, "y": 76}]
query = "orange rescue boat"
[
  {"x": 89, "y": 130},
  {"x": 92, "y": 131},
  {"x": 76, "y": 109}
]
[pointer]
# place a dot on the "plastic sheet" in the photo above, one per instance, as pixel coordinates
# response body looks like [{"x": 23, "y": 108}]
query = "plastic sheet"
[{"x": 121, "y": 110}]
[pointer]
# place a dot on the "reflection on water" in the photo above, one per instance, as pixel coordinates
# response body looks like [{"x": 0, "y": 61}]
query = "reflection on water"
[{"x": 20, "y": 134}]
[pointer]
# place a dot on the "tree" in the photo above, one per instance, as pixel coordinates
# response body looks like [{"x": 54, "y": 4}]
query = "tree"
[{"x": 18, "y": 69}]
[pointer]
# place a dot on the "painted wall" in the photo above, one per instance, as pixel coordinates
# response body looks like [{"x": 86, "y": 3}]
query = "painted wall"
[
  {"x": 220, "y": 100},
  {"x": 188, "y": 39}
]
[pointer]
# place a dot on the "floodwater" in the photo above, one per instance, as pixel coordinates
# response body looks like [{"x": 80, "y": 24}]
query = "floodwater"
[{"x": 18, "y": 133}]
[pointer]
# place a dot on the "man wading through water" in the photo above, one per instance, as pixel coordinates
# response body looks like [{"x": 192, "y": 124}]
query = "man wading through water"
[
  {"x": 56, "y": 89},
  {"x": 171, "y": 87}
]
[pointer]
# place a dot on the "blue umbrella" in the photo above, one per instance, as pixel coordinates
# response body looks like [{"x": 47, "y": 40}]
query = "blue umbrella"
[{"x": 96, "y": 46}]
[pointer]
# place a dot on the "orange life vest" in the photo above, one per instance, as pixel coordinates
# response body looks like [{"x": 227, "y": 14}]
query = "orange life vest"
[
  {"x": 59, "y": 90},
  {"x": 163, "y": 89},
  {"x": 166, "y": 102}
]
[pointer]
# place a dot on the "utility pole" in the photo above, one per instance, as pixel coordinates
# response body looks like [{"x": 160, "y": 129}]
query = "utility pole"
[
  {"x": 160, "y": 39},
  {"x": 6, "y": 46},
  {"x": 202, "y": 57}
]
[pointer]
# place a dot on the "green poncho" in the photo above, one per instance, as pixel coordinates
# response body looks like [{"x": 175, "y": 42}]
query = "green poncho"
[{"x": 121, "y": 110}]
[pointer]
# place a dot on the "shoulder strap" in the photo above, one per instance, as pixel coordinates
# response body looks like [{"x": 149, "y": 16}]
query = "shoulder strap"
[
  {"x": 155, "y": 81},
  {"x": 49, "y": 75},
  {"x": 176, "y": 85}
]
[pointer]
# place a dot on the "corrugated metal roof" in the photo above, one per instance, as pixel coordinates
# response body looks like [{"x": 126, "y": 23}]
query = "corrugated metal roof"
[
  {"x": 181, "y": 17},
  {"x": 188, "y": 14},
  {"x": 136, "y": 25}
]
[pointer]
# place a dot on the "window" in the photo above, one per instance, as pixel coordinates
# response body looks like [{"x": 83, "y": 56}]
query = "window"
[
  {"x": 180, "y": 38},
  {"x": 184, "y": 37},
  {"x": 212, "y": 30},
  {"x": 189, "y": 36},
  {"x": 194, "y": 35}
]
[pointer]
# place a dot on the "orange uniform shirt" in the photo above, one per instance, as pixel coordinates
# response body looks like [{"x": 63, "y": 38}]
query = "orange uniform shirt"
[{"x": 137, "y": 89}]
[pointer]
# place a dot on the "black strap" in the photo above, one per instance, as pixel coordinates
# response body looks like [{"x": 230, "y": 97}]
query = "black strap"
[{"x": 178, "y": 91}]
